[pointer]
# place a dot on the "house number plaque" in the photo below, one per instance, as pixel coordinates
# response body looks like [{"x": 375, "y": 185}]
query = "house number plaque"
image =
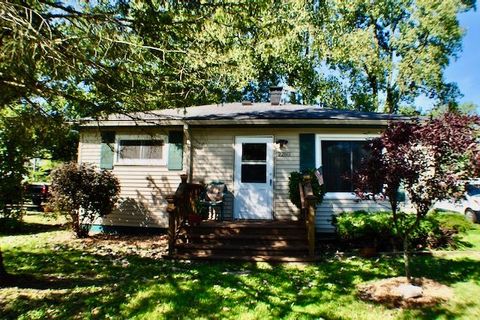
[{"x": 282, "y": 154}]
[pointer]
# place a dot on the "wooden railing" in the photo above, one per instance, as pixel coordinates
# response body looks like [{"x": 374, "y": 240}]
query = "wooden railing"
[
  {"x": 180, "y": 206},
  {"x": 308, "y": 202}
]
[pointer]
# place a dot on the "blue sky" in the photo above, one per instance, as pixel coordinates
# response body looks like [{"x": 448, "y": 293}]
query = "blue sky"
[{"x": 465, "y": 71}]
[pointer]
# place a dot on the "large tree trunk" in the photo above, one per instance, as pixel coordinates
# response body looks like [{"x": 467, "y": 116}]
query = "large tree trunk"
[
  {"x": 372, "y": 79},
  {"x": 3, "y": 271}
]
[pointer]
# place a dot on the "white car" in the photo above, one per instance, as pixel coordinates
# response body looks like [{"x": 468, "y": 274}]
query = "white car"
[{"x": 469, "y": 205}]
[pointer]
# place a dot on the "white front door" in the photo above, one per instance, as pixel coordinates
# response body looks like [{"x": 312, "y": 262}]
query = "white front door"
[{"x": 253, "y": 180}]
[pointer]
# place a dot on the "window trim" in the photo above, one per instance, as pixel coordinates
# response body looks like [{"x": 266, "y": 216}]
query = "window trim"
[
  {"x": 141, "y": 162},
  {"x": 338, "y": 137}
]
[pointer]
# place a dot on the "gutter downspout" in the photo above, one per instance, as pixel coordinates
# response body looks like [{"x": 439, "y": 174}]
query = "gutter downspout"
[{"x": 189, "y": 149}]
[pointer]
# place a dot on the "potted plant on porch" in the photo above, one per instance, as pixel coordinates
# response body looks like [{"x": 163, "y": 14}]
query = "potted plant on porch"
[{"x": 194, "y": 219}]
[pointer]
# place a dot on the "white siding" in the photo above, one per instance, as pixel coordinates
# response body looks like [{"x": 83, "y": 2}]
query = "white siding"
[
  {"x": 143, "y": 188},
  {"x": 89, "y": 147},
  {"x": 214, "y": 158},
  {"x": 329, "y": 207}
]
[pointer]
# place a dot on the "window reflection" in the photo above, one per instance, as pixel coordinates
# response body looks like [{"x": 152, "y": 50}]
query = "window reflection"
[
  {"x": 254, "y": 151},
  {"x": 340, "y": 159}
]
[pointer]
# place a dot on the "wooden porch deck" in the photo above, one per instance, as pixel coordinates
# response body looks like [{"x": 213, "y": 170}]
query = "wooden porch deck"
[
  {"x": 251, "y": 240},
  {"x": 281, "y": 241}
]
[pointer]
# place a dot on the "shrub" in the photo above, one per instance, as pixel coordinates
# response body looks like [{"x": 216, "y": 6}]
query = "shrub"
[
  {"x": 450, "y": 226},
  {"x": 82, "y": 194},
  {"x": 453, "y": 221},
  {"x": 9, "y": 225},
  {"x": 377, "y": 228},
  {"x": 363, "y": 226}
]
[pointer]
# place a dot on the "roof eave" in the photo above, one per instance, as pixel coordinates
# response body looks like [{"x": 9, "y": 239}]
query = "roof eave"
[
  {"x": 223, "y": 122},
  {"x": 130, "y": 123}
]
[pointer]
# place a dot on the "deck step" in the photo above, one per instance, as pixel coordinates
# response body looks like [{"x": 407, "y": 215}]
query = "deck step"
[
  {"x": 243, "y": 252},
  {"x": 245, "y": 230},
  {"x": 232, "y": 257},
  {"x": 244, "y": 240},
  {"x": 251, "y": 225},
  {"x": 248, "y": 237},
  {"x": 241, "y": 247}
]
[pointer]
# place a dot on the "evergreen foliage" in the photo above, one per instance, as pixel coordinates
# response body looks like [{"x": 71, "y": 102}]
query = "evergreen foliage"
[{"x": 293, "y": 189}]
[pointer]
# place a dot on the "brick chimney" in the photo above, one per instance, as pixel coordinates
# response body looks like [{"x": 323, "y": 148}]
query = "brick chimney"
[{"x": 276, "y": 95}]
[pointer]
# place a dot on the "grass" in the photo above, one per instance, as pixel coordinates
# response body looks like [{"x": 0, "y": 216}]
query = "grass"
[{"x": 58, "y": 280}]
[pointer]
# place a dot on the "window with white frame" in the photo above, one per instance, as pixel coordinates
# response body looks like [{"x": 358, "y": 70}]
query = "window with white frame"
[
  {"x": 141, "y": 150},
  {"x": 340, "y": 156}
]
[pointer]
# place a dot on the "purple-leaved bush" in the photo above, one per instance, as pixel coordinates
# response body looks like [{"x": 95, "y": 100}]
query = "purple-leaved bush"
[
  {"x": 83, "y": 193},
  {"x": 432, "y": 158}
]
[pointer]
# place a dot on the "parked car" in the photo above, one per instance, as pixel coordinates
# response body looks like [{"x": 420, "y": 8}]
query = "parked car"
[
  {"x": 469, "y": 205},
  {"x": 38, "y": 193}
]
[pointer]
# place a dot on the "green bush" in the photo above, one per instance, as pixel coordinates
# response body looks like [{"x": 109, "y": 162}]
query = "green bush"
[
  {"x": 9, "y": 225},
  {"x": 437, "y": 230},
  {"x": 361, "y": 225},
  {"x": 454, "y": 221}
]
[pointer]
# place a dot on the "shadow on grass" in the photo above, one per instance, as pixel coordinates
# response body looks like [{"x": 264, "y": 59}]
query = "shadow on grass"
[
  {"x": 461, "y": 244},
  {"x": 438, "y": 311},
  {"x": 88, "y": 285},
  {"x": 447, "y": 271},
  {"x": 10, "y": 227},
  {"x": 45, "y": 282}
]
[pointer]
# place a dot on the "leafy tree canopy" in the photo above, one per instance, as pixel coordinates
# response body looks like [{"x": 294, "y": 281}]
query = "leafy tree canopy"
[
  {"x": 92, "y": 58},
  {"x": 391, "y": 51}
]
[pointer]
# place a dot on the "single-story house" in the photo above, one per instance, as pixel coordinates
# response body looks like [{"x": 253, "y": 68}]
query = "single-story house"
[{"x": 251, "y": 147}]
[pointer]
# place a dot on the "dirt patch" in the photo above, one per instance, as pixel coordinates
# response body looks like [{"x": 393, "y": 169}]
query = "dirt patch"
[
  {"x": 147, "y": 246},
  {"x": 385, "y": 292}
]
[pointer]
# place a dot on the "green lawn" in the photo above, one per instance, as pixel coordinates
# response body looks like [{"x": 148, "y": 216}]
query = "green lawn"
[{"x": 62, "y": 281}]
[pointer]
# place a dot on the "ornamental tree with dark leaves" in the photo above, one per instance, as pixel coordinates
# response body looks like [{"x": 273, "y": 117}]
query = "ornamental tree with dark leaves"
[
  {"x": 433, "y": 159},
  {"x": 381, "y": 173},
  {"x": 82, "y": 193}
]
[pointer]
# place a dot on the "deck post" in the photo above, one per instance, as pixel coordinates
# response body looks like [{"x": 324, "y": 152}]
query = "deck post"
[
  {"x": 189, "y": 150},
  {"x": 311, "y": 209},
  {"x": 171, "y": 209}
]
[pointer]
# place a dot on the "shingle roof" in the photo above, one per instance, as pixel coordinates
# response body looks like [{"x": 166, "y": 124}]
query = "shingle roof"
[{"x": 238, "y": 111}]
